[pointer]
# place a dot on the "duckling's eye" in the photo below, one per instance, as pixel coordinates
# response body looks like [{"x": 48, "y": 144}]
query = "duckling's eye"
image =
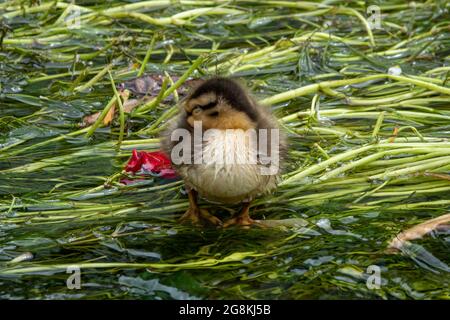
[
  {"x": 214, "y": 114},
  {"x": 197, "y": 109}
]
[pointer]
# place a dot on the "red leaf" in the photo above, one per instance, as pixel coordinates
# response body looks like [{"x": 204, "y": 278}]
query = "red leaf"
[
  {"x": 168, "y": 173},
  {"x": 155, "y": 163},
  {"x": 135, "y": 162}
]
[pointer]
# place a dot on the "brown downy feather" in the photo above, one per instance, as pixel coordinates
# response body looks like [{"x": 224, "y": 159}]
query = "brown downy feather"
[{"x": 222, "y": 103}]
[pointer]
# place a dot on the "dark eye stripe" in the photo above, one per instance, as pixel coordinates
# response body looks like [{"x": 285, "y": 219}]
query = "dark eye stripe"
[
  {"x": 205, "y": 107},
  {"x": 209, "y": 105}
]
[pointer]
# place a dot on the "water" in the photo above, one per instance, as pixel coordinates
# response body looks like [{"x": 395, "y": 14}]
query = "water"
[{"x": 62, "y": 207}]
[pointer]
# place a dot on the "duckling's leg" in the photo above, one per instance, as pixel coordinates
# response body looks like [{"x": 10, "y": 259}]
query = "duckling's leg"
[
  {"x": 243, "y": 218},
  {"x": 195, "y": 215}
]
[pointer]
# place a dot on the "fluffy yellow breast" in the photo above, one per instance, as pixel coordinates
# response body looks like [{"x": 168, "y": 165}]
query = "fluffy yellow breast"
[{"x": 228, "y": 171}]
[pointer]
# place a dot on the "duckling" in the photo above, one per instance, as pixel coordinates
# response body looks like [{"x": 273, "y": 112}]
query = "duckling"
[{"x": 233, "y": 126}]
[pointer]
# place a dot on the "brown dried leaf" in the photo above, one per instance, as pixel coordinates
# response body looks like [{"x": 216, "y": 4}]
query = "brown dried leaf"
[
  {"x": 128, "y": 106},
  {"x": 132, "y": 103},
  {"x": 110, "y": 115},
  {"x": 394, "y": 135},
  {"x": 150, "y": 85},
  {"x": 419, "y": 231},
  {"x": 437, "y": 175},
  {"x": 144, "y": 88},
  {"x": 90, "y": 119}
]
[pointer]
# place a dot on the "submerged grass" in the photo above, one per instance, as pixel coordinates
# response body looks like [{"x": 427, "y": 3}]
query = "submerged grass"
[{"x": 366, "y": 111}]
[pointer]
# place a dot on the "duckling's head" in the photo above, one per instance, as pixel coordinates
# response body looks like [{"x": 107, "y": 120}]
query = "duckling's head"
[{"x": 221, "y": 103}]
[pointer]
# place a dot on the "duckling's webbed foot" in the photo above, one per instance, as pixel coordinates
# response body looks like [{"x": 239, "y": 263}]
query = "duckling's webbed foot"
[
  {"x": 196, "y": 216},
  {"x": 243, "y": 219}
]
